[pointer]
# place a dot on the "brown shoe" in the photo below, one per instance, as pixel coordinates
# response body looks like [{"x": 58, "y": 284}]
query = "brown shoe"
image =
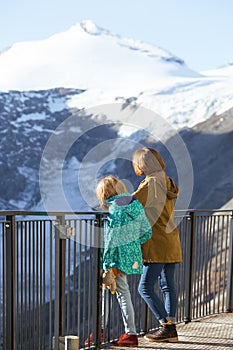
[
  {"x": 166, "y": 333},
  {"x": 130, "y": 340}
]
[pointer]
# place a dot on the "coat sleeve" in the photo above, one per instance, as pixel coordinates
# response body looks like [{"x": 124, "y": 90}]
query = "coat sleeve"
[
  {"x": 110, "y": 250},
  {"x": 109, "y": 258}
]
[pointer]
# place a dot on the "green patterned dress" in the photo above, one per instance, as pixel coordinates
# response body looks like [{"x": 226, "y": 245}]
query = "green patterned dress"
[{"x": 127, "y": 227}]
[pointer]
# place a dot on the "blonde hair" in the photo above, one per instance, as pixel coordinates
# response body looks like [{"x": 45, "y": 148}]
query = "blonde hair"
[
  {"x": 108, "y": 187},
  {"x": 148, "y": 160}
]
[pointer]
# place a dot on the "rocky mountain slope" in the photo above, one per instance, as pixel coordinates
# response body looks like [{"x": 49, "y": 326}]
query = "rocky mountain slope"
[
  {"x": 210, "y": 145},
  {"x": 28, "y": 120}
]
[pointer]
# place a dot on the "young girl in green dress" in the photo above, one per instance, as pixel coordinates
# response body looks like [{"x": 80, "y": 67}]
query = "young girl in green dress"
[{"x": 127, "y": 229}]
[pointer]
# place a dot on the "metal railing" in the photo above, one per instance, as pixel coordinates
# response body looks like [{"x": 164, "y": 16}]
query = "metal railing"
[{"x": 50, "y": 283}]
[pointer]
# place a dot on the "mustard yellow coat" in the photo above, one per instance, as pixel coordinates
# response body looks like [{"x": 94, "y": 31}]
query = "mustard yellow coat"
[{"x": 157, "y": 193}]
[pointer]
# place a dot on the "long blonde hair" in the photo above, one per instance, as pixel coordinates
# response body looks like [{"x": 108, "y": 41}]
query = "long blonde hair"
[
  {"x": 148, "y": 160},
  {"x": 107, "y": 187}
]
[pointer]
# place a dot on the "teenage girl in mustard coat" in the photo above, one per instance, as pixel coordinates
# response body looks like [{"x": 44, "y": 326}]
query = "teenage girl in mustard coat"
[{"x": 162, "y": 251}]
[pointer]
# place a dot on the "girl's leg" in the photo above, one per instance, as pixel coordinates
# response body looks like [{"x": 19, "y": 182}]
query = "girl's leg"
[
  {"x": 151, "y": 272},
  {"x": 167, "y": 285},
  {"x": 125, "y": 303}
]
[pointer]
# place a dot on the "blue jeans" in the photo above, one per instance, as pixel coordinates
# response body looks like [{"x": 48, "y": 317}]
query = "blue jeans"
[
  {"x": 125, "y": 302},
  {"x": 164, "y": 273}
]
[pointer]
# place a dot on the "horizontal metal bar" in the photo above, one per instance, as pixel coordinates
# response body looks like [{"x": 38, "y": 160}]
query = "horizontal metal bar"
[{"x": 83, "y": 213}]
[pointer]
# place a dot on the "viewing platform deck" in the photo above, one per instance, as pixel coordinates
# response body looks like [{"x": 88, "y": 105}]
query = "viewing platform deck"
[{"x": 212, "y": 333}]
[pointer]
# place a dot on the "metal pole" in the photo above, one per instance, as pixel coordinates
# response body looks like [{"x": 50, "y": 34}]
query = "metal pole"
[
  {"x": 190, "y": 269},
  {"x": 97, "y": 314},
  {"x": 230, "y": 270},
  {"x": 59, "y": 314},
  {"x": 10, "y": 283}
]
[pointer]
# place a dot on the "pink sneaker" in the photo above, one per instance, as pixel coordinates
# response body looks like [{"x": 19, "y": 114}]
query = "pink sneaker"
[{"x": 130, "y": 340}]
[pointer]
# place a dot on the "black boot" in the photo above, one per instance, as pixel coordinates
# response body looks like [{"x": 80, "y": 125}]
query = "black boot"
[{"x": 166, "y": 333}]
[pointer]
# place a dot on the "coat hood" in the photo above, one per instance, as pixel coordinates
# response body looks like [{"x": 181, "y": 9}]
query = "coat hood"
[
  {"x": 160, "y": 178},
  {"x": 121, "y": 201},
  {"x": 172, "y": 189}
]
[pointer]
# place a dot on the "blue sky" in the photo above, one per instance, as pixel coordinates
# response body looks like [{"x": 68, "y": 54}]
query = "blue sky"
[{"x": 198, "y": 31}]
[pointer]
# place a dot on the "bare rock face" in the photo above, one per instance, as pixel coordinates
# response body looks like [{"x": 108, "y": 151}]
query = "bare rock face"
[{"x": 28, "y": 119}]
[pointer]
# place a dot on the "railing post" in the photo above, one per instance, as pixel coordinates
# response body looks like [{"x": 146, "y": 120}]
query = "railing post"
[
  {"x": 10, "y": 283},
  {"x": 230, "y": 270},
  {"x": 190, "y": 269},
  {"x": 97, "y": 310},
  {"x": 60, "y": 259}
]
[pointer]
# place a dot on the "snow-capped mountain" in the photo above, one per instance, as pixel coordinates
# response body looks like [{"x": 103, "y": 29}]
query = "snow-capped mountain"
[
  {"x": 86, "y": 56},
  {"x": 96, "y": 97},
  {"x": 108, "y": 66}
]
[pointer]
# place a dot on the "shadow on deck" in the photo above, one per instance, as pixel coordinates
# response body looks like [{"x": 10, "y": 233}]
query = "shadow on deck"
[{"x": 212, "y": 333}]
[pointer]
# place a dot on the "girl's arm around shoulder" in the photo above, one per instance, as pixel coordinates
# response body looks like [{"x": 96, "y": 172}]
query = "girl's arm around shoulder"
[
  {"x": 145, "y": 226},
  {"x": 146, "y": 230},
  {"x": 142, "y": 192}
]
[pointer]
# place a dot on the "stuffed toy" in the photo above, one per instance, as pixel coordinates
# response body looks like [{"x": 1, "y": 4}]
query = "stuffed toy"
[{"x": 109, "y": 279}]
